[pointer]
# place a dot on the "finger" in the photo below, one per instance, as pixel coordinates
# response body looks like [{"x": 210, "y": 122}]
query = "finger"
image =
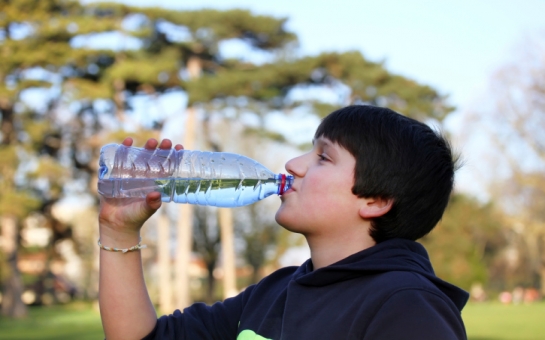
[
  {"x": 151, "y": 143},
  {"x": 127, "y": 141},
  {"x": 178, "y": 147},
  {"x": 153, "y": 200},
  {"x": 165, "y": 144}
]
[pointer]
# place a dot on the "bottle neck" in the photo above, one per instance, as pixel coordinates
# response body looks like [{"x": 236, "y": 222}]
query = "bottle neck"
[{"x": 285, "y": 182}]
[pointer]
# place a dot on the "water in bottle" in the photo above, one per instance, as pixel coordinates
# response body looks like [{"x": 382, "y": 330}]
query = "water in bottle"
[{"x": 205, "y": 178}]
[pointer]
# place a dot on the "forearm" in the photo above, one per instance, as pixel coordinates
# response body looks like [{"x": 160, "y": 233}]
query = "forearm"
[{"x": 125, "y": 306}]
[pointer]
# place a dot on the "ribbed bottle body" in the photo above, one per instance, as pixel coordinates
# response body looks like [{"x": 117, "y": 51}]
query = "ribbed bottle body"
[{"x": 195, "y": 177}]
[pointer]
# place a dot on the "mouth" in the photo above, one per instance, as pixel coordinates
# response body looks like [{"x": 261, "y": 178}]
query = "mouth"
[{"x": 290, "y": 190}]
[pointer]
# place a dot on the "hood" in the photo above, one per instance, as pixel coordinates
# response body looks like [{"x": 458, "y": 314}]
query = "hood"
[{"x": 390, "y": 255}]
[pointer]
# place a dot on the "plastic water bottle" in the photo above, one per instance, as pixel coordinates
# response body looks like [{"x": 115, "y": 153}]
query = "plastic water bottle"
[{"x": 205, "y": 178}]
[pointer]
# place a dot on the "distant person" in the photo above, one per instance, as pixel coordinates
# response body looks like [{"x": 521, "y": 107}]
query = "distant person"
[
  {"x": 373, "y": 183},
  {"x": 517, "y": 295},
  {"x": 531, "y": 295}
]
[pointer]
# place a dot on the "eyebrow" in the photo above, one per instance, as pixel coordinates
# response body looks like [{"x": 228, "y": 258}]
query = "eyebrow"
[
  {"x": 326, "y": 143},
  {"x": 321, "y": 140}
]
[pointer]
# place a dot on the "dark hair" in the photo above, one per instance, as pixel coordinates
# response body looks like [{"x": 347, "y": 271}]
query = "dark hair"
[{"x": 398, "y": 158}]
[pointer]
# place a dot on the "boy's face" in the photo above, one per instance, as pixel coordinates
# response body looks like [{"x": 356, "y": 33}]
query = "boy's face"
[{"x": 320, "y": 201}]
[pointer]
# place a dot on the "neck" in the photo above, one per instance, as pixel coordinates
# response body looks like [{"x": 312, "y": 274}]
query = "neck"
[{"x": 328, "y": 249}]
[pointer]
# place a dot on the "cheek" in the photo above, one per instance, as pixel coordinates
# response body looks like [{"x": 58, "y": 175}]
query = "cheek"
[
  {"x": 336, "y": 196},
  {"x": 315, "y": 184},
  {"x": 333, "y": 185}
]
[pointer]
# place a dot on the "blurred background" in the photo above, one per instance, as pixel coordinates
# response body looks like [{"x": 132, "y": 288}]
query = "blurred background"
[{"x": 255, "y": 78}]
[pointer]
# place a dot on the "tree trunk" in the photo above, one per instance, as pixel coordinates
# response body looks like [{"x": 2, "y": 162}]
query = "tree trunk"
[
  {"x": 255, "y": 274},
  {"x": 542, "y": 283},
  {"x": 183, "y": 255},
  {"x": 541, "y": 267},
  {"x": 228, "y": 252},
  {"x": 6, "y": 121},
  {"x": 211, "y": 284},
  {"x": 226, "y": 226},
  {"x": 184, "y": 226},
  {"x": 185, "y": 229},
  {"x": 12, "y": 304},
  {"x": 166, "y": 302},
  {"x": 119, "y": 99}
]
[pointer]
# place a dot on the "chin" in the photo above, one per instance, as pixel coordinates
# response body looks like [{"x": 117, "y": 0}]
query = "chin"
[
  {"x": 278, "y": 217},
  {"x": 288, "y": 223}
]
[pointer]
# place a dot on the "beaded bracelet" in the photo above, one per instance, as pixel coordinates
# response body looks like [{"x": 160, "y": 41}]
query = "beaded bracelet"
[{"x": 127, "y": 250}]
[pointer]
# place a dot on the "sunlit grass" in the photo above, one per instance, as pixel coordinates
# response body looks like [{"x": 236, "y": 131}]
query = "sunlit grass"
[
  {"x": 494, "y": 321},
  {"x": 75, "y": 321}
]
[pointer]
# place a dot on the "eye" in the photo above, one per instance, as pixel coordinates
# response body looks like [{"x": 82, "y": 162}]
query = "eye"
[{"x": 322, "y": 157}]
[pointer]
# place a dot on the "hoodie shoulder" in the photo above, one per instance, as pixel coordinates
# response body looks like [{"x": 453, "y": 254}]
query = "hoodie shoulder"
[
  {"x": 396, "y": 281},
  {"x": 399, "y": 280},
  {"x": 416, "y": 313}
]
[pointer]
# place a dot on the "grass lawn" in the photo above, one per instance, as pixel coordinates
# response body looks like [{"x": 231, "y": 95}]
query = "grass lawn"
[
  {"x": 75, "y": 321},
  {"x": 484, "y": 321},
  {"x": 494, "y": 321}
]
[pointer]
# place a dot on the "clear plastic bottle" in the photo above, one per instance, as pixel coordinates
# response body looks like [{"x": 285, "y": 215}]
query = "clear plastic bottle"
[{"x": 205, "y": 178}]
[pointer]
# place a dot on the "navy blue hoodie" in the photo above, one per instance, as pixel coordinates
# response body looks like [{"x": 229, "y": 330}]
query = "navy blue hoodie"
[{"x": 388, "y": 291}]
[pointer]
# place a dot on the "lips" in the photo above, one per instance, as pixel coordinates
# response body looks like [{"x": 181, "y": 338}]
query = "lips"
[{"x": 290, "y": 190}]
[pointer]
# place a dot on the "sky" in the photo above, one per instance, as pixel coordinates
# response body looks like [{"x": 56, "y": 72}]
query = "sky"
[{"x": 454, "y": 46}]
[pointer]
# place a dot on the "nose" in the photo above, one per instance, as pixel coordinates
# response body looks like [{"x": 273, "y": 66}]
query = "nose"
[{"x": 296, "y": 166}]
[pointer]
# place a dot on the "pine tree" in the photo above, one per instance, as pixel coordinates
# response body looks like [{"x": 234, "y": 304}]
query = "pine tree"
[{"x": 90, "y": 91}]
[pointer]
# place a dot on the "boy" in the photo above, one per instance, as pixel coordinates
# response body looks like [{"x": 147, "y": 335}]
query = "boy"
[{"x": 374, "y": 182}]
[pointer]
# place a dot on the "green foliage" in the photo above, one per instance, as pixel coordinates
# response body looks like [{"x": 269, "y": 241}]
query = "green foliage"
[
  {"x": 16, "y": 203},
  {"x": 18, "y": 10},
  {"x": 323, "y": 109},
  {"x": 35, "y": 130},
  {"x": 464, "y": 244},
  {"x": 148, "y": 69},
  {"x": 369, "y": 82},
  {"x": 12, "y": 202},
  {"x": 264, "y": 134},
  {"x": 139, "y": 138},
  {"x": 10, "y": 161},
  {"x": 48, "y": 168},
  {"x": 261, "y": 31},
  {"x": 87, "y": 89}
]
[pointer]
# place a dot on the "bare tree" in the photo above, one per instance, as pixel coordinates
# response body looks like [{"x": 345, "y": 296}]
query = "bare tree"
[{"x": 514, "y": 122}]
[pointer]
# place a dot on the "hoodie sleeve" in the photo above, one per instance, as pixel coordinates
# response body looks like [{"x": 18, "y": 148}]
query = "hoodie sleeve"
[
  {"x": 199, "y": 321},
  {"x": 416, "y": 314}
]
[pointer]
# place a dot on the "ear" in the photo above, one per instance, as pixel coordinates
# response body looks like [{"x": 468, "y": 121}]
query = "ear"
[{"x": 375, "y": 207}]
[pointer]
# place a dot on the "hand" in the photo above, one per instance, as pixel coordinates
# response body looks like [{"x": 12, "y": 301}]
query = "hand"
[{"x": 119, "y": 216}]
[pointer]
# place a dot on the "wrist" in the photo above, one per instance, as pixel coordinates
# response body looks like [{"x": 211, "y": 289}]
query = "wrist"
[
  {"x": 116, "y": 238},
  {"x": 136, "y": 247}
]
